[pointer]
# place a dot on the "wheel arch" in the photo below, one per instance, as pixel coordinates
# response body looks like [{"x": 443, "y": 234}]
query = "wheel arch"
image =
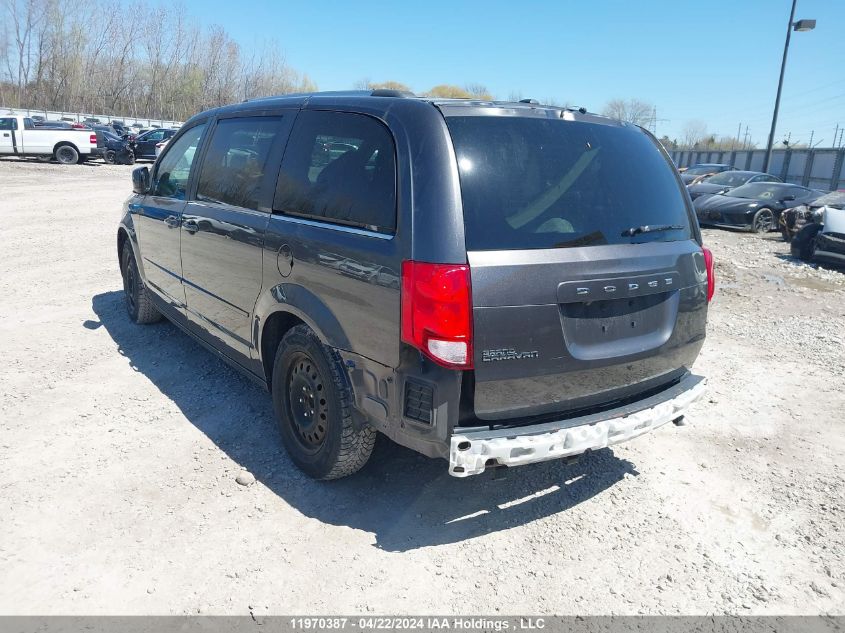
[
  {"x": 63, "y": 144},
  {"x": 283, "y": 307}
]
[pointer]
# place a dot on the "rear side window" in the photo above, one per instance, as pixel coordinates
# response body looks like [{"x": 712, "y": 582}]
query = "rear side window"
[
  {"x": 233, "y": 170},
  {"x": 339, "y": 168},
  {"x": 531, "y": 183}
]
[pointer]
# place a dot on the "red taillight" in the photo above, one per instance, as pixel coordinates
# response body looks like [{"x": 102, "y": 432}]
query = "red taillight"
[
  {"x": 711, "y": 274},
  {"x": 93, "y": 139},
  {"x": 437, "y": 312}
]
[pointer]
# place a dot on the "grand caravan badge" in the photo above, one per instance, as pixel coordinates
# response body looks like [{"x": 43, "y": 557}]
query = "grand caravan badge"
[{"x": 489, "y": 355}]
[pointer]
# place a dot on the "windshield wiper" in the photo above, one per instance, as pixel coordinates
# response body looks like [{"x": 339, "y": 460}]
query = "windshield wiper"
[{"x": 636, "y": 230}]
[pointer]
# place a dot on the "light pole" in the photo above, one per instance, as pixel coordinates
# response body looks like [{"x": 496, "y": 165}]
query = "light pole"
[{"x": 800, "y": 25}]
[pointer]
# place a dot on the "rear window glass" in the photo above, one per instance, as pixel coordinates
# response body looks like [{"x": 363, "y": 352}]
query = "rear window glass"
[{"x": 549, "y": 183}]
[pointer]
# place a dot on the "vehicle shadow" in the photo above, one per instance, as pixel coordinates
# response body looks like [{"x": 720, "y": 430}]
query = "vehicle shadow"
[{"x": 405, "y": 500}]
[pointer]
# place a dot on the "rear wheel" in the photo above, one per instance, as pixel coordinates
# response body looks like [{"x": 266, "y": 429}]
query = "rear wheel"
[
  {"x": 763, "y": 221},
  {"x": 109, "y": 156},
  {"x": 139, "y": 304},
  {"x": 67, "y": 155},
  {"x": 314, "y": 408}
]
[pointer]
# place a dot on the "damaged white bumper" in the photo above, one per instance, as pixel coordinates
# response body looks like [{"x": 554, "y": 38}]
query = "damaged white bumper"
[{"x": 471, "y": 452}]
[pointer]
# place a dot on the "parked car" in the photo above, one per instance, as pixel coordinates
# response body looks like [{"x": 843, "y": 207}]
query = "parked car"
[
  {"x": 160, "y": 146},
  {"x": 145, "y": 144},
  {"x": 756, "y": 206},
  {"x": 794, "y": 220},
  {"x": 510, "y": 283},
  {"x": 727, "y": 180},
  {"x": 19, "y": 136},
  {"x": 116, "y": 150},
  {"x": 697, "y": 173},
  {"x": 823, "y": 239}
]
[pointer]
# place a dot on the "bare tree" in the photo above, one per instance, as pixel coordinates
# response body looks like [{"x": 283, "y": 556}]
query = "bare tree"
[
  {"x": 694, "y": 133},
  {"x": 479, "y": 91},
  {"x": 631, "y": 111}
]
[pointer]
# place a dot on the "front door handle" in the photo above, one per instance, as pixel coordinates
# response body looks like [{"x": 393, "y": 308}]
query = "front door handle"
[
  {"x": 190, "y": 226},
  {"x": 171, "y": 221},
  {"x": 5, "y": 134}
]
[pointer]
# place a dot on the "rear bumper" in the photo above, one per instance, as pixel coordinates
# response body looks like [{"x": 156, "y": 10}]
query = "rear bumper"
[{"x": 471, "y": 452}]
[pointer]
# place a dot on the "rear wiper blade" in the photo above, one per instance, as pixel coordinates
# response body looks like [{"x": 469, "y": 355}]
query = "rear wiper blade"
[{"x": 636, "y": 230}]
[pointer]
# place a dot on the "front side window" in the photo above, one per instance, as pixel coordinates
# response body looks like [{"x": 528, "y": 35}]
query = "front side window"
[
  {"x": 767, "y": 191},
  {"x": 339, "y": 168},
  {"x": 158, "y": 135},
  {"x": 236, "y": 162},
  {"x": 532, "y": 183},
  {"x": 8, "y": 124},
  {"x": 174, "y": 168}
]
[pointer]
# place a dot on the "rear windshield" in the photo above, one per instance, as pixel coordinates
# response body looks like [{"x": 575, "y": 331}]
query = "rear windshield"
[{"x": 550, "y": 183}]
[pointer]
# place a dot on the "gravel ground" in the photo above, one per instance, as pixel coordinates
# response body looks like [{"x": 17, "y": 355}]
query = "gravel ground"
[{"x": 120, "y": 447}]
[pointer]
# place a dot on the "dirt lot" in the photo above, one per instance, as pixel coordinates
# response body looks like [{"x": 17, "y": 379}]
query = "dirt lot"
[{"x": 120, "y": 445}]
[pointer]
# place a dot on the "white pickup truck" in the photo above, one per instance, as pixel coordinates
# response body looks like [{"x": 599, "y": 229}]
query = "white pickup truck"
[{"x": 20, "y": 137}]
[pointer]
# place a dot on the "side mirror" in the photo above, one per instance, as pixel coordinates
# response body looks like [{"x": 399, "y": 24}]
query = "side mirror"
[
  {"x": 141, "y": 179},
  {"x": 787, "y": 198}
]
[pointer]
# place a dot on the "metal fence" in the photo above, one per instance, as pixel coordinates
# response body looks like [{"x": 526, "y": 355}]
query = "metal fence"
[
  {"x": 80, "y": 116},
  {"x": 820, "y": 168}
]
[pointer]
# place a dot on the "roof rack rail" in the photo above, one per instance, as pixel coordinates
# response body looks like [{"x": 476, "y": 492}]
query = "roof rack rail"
[
  {"x": 580, "y": 109},
  {"x": 385, "y": 92}
]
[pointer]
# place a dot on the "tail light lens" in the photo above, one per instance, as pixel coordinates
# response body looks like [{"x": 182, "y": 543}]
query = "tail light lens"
[
  {"x": 711, "y": 274},
  {"x": 93, "y": 139},
  {"x": 437, "y": 312}
]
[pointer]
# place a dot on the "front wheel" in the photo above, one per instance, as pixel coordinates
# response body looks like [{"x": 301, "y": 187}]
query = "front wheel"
[
  {"x": 313, "y": 405},
  {"x": 139, "y": 304},
  {"x": 110, "y": 156},
  {"x": 763, "y": 221}
]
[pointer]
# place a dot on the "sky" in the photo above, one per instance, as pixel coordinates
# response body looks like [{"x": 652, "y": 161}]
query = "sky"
[{"x": 715, "y": 61}]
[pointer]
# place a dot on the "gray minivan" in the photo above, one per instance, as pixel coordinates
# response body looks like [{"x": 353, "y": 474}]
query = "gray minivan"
[{"x": 491, "y": 283}]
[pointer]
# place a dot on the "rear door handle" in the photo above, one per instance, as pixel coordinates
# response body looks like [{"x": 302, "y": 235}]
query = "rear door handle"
[
  {"x": 190, "y": 226},
  {"x": 171, "y": 221}
]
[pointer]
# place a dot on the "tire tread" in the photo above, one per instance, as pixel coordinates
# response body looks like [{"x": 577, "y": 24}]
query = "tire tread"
[{"x": 356, "y": 444}]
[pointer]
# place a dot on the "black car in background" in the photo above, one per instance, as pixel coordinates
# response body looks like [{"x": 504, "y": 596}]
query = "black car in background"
[
  {"x": 756, "y": 206},
  {"x": 115, "y": 149},
  {"x": 727, "y": 180},
  {"x": 145, "y": 144},
  {"x": 701, "y": 171}
]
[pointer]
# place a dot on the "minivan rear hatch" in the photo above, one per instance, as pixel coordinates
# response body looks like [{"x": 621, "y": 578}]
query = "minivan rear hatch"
[{"x": 588, "y": 279}]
